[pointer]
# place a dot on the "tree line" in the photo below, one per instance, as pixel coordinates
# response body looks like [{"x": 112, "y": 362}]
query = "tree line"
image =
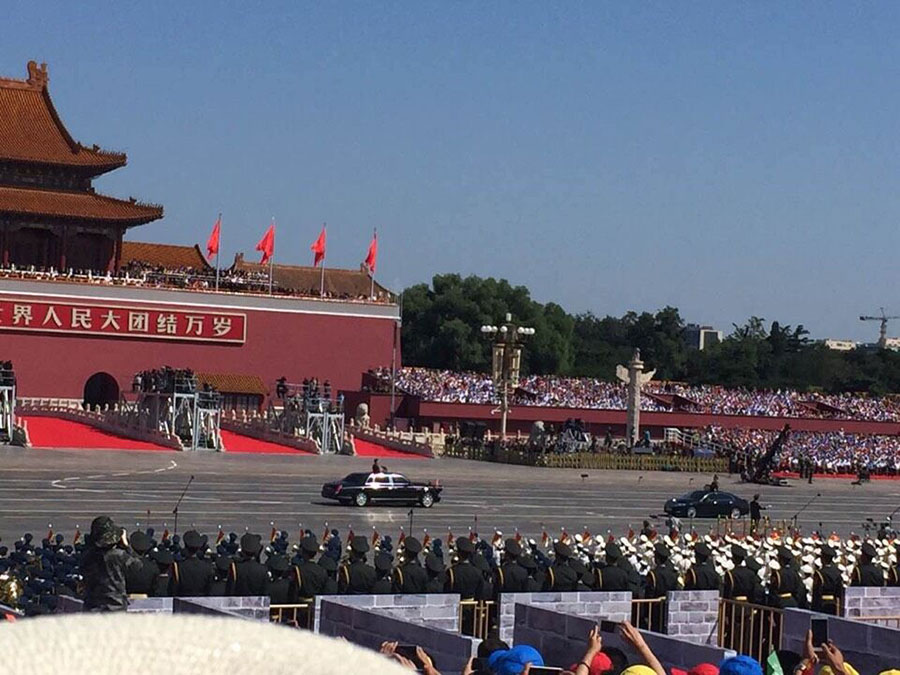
[{"x": 442, "y": 322}]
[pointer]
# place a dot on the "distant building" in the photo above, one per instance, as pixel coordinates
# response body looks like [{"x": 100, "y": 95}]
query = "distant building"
[
  {"x": 840, "y": 345},
  {"x": 701, "y": 337}
]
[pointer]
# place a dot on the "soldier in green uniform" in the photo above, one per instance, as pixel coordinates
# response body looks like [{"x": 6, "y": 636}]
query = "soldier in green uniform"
[
  {"x": 410, "y": 576},
  {"x": 828, "y": 585},
  {"x": 355, "y": 576},
  {"x": 867, "y": 573},
  {"x": 702, "y": 576}
]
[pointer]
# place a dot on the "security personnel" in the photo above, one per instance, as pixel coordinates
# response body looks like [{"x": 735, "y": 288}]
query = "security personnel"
[
  {"x": 742, "y": 583},
  {"x": 511, "y": 577},
  {"x": 786, "y": 588},
  {"x": 163, "y": 559},
  {"x": 437, "y": 577},
  {"x": 330, "y": 566},
  {"x": 867, "y": 574},
  {"x": 702, "y": 576},
  {"x": 755, "y": 513},
  {"x": 611, "y": 577},
  {"x": 309, "y": 578},
  {"x": 193, "y": 576},
  {"x": 247, "y": 575},
  {"x": 355, "y": 576},
  {"x": 410, "y": 576},
  {"x": 281, "y": 589},
  {"x": 463, "y": 577},
  {"x": 532, "y": 585},
  {"x": 383, "y": 567},
  {"x": 561, "y": 576},
  {"x": 828, "y": 585},
  {"x": 139, "y": 578},
  {"x": 222, "y": 567}
]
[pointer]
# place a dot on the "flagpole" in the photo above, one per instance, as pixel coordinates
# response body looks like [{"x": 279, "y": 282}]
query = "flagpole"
[
  {"x": 272, "y": 257},
  {"x": 217, "y": 253},
  {"x": 322, "y": 279}
]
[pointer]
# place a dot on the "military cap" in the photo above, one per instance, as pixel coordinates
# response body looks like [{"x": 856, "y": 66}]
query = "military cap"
[
  {"x": 251, "y": 543},
  {"x": 223, "y": 562},
  {"x": 578, "y": 566},
  {"x": 140, "y": 542},
  {"x": 433, "y": 563},
  {"x": 480, "y": 563},
  {"x": 702, "y": 550},
  {"x": 662, "y": 551},
  {"x": 412, "y": 545},
  {"x": 869, "y": 551},
  {"x": 193, "y": 539},
  {"x": 562, "y": 550},
  {"x": 359, "y": 545},
  {"x": 278, "y": 563},
  {"x": 464, "y": 545},
  {"x": 309, "y": 545},
  {"x": 828, "y": 553},
  {"x": 383, "y": 562},
  {"x": 512, "y": 547},
  {"x": 163, "y": 557},
  {"x": 738, "y": 552},
  {"x": 613, "y": 552},
  {"x": 327, "y": 563},
  {"x": 784, "y": 553},
  {"x": 528, "y": 562}
]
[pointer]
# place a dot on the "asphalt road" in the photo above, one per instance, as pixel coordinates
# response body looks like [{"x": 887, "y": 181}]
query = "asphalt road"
[{"x": 69, "y": 488}]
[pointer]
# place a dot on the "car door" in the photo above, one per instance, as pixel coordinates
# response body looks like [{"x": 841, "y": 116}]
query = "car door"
[
  {"x": 402, "y": 489},
  {"x": 708, "y": 506},
  {"x": 379, "y": 487}
]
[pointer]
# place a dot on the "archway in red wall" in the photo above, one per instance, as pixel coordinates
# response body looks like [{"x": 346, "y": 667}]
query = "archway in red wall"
[{"x": 101, "y": 389}]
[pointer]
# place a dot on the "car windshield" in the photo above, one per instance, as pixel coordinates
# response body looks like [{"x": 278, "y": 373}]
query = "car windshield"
[
  {"x": 695, "y": 495},
  {"x": 398, "y": 479},
  {"x": 356, "y": 479}
]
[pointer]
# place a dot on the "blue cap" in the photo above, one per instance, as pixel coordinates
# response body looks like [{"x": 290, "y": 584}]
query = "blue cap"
[
  {"x": 740, "y": 665},
  {"x": 513, "y": 661}
]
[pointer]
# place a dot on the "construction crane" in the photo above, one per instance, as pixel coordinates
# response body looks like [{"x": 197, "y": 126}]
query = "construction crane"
[{"x": 882, "y": 333}]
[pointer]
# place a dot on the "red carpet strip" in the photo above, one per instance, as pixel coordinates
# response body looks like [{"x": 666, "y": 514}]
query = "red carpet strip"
[
  {"x": 52, "y": 432},
  {"x": 369, "y": 449},
  {"x": 240, "y": 443}
]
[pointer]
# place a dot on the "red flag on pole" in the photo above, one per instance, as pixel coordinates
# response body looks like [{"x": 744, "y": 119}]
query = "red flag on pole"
[
  {"x": 372, "y": 255},
  {"x": 318, "y": 248},
  {"x": 267, "y": 244},
  {"x": 212, "y": 244}
]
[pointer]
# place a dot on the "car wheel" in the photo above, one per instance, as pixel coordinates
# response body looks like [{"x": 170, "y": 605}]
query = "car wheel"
[
  {"x": 427, "y": 501},
  {"x": 735, "y": 513},
  {"x": 691, "y": 512},
  {"x": 361, "y": 499}
]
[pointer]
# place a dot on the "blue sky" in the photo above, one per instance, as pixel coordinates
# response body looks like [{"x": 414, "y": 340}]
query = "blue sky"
[{"x": 726, "y": 158}]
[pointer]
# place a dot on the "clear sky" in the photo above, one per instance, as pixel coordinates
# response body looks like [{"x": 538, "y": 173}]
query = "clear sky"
[{"x": 726, "y": 158}]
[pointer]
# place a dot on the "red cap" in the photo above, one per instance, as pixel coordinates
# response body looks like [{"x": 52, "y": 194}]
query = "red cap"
[
  {"x": 601, "y": 663},
  {"x": 704, "y": 669}
]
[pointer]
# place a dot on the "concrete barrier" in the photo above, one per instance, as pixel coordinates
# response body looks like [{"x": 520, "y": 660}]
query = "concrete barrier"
[
  {"x": 613, "y": 606},
  {"x": 693, "y": 616}
]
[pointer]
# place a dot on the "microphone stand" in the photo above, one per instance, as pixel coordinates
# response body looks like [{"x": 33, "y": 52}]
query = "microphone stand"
[
  {"x": 178, "y": 503},
  {"x": 794, "y": 518}
]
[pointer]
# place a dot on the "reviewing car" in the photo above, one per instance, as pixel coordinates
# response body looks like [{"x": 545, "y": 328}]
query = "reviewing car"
[
  {"x": 362, "y": 489},
  {"x": 707, "y": 504}
]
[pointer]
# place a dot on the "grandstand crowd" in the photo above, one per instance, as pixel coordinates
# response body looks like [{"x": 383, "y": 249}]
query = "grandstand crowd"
[{"x": 591, "y": 393}]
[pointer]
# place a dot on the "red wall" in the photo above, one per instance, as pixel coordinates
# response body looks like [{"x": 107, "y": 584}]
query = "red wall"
[
  {"x": 522, "y": 417},
  {"x": 337, "y": 348}
]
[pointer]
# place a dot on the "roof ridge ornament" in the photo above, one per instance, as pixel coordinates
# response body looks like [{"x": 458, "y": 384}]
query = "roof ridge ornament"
[{"x": 37, "y": 75}]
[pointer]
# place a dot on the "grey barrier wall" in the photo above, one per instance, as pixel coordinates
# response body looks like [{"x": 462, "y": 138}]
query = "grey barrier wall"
[
  {"x": 189, "y": 606},
  {"x": 561, "y": 639},
  {"x": 369, "y": 627},
  {"x": 150, "y": 606},
  {"x": 871, "y": 601},
  {"x": 868, "y": 647},
  {"x": 437, "y": 611},
  {"x": 613, "y": 606},
  {"x": 693, "y": 616},
  {"x": 252, "y": 607}
]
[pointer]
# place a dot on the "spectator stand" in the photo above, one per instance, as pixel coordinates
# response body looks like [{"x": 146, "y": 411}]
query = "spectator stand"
[
  {"x": 171, "y": 401},
  {"x": 7, "y": 402}
]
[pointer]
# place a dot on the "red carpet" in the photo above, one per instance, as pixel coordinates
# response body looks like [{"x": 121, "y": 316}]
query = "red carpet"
[
  {"x": 52, "y": 432},
  {"x": 368, "y": 449},
  {"x": 239, "y": 443},
  {"x": 844, "y": 476}
]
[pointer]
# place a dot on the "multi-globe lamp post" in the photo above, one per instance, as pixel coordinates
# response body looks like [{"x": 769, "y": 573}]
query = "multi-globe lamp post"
[{"x": 506, "y": 361}]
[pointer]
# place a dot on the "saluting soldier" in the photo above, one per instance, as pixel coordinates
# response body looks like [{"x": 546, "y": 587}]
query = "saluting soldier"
[
  {"x": 281, "y": 588},
  {"x": 383, "y": 567},
  {"x": 463, "y": 577},
  {"x": 309, "y": 579},
  {"x": 410, "y": 576},
  {"x": 356, "y": 577},
  {"x": 866, "y": 573},
  {"x": 192, "y": 576},
  {"x": 532, "y": 585},
  {"x": 222, "y": 566},
  {"x": 611, "y": 577},
  {"x": 702, "y": 576},
  {"x": 663, "y": 578},
  {"x": 828, "y": 585},
  {"x": 139, "y": 578},
  {"x": 511, "y": 577},
  {"x": 330, "y": 566},
  {"x": 437, "y": 576},
  {"x": 247, "y": 575},
  {"x": 786, "y": 588},
  {"x": 742, "y": 583},
  {"x": 561, "y": 576}
]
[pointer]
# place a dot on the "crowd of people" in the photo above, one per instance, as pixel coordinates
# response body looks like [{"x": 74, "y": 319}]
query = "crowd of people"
[
  {"x": 829, "y": 452},
  {"x": 591, "y": 393},
  {"x": 765, "y": 567},
  {"x": 140, "y": 274}
]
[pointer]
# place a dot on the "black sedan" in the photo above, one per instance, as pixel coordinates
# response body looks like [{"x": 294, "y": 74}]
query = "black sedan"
[
  {"x": 365, "y": 488},
  {"x": 707, "y": 504}
]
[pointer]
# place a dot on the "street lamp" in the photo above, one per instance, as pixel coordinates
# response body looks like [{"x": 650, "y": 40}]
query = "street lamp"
[{"x": 506, "y": 361}]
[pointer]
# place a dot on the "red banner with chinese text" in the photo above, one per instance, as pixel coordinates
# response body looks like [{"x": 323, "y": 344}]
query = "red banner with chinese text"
[{"x": 121, "y": 321}]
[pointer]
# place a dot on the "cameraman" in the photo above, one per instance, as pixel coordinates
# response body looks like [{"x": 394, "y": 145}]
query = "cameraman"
[{"x": 105, "y": 561}]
